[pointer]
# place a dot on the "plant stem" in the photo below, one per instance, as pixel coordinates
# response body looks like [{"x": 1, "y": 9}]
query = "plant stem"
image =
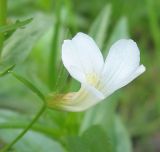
[
  {"x": 8, "y": 147},
  {"x": 3, "y": 16},
  {"x": 40, "y": 112}
]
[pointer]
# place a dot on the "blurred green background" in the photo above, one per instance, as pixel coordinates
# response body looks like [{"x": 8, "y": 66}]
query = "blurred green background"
[{"x": 128, "y": 121}]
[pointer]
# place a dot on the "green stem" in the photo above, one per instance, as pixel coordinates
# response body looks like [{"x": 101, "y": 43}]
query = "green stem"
[
  {"x": 3, "y": 16},
  {"x": 40, "y": 112},
  {"x": 8, "y": 147}
]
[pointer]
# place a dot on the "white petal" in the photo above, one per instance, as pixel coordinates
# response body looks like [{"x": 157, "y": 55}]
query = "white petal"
[
  {"x": 92, "y": 90},
  {"x": 134, "y": 75},
  {"x": 86, "y": 97},
  {"x": 89, "y": 98},
  {"x": 81, "y": 56},
  {"x": 121, "y": 65}
]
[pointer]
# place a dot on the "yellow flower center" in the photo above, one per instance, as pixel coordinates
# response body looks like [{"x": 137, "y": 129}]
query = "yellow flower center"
[{"x": 92, "y": 79}]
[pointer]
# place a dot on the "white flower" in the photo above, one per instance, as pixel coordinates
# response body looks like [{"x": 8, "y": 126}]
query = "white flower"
[{"x": 99, "y": 79}]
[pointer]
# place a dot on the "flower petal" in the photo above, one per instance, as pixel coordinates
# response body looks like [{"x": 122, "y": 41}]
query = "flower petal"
[
  {"x": 86, "y": 97},
  {"x": 94, "y": 91},
  {"x": 121, "y": 65},
  {"x": 81, "y": 56},
  {"x": 134, "y": 75}
]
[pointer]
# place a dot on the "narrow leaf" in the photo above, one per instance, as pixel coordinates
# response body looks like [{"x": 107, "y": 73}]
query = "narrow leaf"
[
  {"x": 6, "y": 69},
  {"x": 99, "y": 28},
  {"x": 21, "y": 42},
  {"x": 120, "y": 31},
  {"x": 18, "y": 24}
]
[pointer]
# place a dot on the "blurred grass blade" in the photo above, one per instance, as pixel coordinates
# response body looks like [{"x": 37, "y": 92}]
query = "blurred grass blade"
[
  {"x": 99, "y": 28},
  {"x": 60, "y": 32},
  {"x": 3, "y": 20},
  {"x": 120, "y": 31},
  {"x": 21, "y": 42},
  {"x": 154, "y": 24},
  {"x": 18, "y": 24},
  {"x": 72, "y": 18},
  {"x": 121, "y": 132},
  {"x": 29, "y": 85},
  {"x": 54, "y": 47}
]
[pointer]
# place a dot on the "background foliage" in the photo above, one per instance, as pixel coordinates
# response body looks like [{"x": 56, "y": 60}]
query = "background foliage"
[{"x": 127, "y": 121}]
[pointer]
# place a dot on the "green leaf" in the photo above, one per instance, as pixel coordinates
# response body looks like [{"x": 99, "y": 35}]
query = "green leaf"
[
  {"x": 21, "y": 42},
  {"x": 76, "y": 144},
  {"x": 94, "y": 134},
  {"x": 93, "y": 139},
  {"x": 18, "y": 24},
  {"x": 121, "y": 133},
  {"x": 99, "y": 28},
  {"x": 32, "y": 141},
  {"x": 120, "y": 31},
  {"x": 102, "y": 114}
]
